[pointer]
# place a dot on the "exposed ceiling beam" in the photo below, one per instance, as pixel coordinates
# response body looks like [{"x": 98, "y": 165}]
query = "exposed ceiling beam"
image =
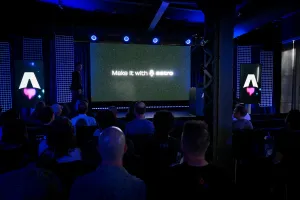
[
  {"x": 163, "y": 7},
  {"x": 261, "y": 19}
]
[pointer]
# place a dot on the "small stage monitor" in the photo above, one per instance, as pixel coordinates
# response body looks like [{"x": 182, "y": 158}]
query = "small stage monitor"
[
  {"x": 250, "y": 83},
  {"x": 29, "y": 83}
]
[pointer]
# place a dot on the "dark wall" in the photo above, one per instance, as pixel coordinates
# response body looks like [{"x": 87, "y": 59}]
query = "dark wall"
[{"x": 290, "y": 27}]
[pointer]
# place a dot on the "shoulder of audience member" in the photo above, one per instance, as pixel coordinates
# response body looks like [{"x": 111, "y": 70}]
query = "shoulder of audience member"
[
  {"x": 92, "y": 118},
  {"x": 137, "y": 180},
  {"x": 174, "y": 169},
  {"x": 142, "y": 185},
  {"x": 131, "y": 123},
  {"x": 150, "y": 122},
  {"x": 83, "y": 183}
]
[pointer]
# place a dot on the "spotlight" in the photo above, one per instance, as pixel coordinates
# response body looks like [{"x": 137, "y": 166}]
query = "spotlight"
[
  {"x": 188, "y": 42},
  {"x": 93, "y": 37},
  {"x": 126, "y": 39},
  {"x": 155, "y": 40}
]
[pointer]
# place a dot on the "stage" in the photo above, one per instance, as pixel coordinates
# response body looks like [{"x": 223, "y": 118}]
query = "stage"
[{"x": 150, "y": 115}]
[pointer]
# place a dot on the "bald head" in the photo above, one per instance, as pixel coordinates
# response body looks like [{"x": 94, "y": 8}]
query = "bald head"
[{"x": 112, "y": 144}]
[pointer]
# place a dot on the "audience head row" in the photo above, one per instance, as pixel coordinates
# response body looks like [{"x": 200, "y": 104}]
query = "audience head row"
[
  {"x": 195, "y": 139},
  {"x": 239, "y": 111}
]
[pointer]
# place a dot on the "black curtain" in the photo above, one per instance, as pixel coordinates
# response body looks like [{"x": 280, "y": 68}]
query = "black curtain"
[
  {"x": 82, "y": 55},
  {"x": 49, "y": 69}
]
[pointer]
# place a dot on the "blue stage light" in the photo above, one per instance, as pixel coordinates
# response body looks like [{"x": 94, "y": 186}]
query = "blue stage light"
[
  {"x": 155, "y": 40},
  {"x": 188, "y": 42},
  {"x": 126, "y": 39},
  {"x": 93, "y": 37},
  {"x": 32, "y": 64}
]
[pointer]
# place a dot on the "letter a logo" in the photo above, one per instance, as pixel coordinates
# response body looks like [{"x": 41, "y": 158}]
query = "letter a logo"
[
  {"x": 29, "y": 76},
  {"x": 251, "y": 78}
]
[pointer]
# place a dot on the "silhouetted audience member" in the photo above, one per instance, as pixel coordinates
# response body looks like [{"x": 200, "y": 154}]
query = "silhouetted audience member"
[
  {"x": 81, "y": 122},
  {"x": 286, "y": 142},
  {"x": 35, "y": 115},
  {"x": 7, "y": 117},
  {"x": 241, "y": 123},
  {"x": 108, "y": 119},
  {"x": 90, "y": 154},
  {"x": 29, "y": 183},
  {"x": 140, "y": 125},
  {"x": 162, "y": 149},
  {"x": 60, "y": 155},
  {"x": 130, "y": 113},
  {"x": 292, "y": 120},
  {"x": 82, "y": 114},
  {"x": 114, "y": 110},
  {"x": 120, "y": 123},
  {"x": 195, "y": 177},
  {"x": 247, "y": 116},
  {"x": 15, "y": 132},
  {"x": 110, "y": 181},
  {"x": 57, "y": 109},
  {"x": 14, "y": 146},
  {"x": 46, "y": 115},
  {"x": 287, "y": 152},
  {"x": 105, "y": 119}
]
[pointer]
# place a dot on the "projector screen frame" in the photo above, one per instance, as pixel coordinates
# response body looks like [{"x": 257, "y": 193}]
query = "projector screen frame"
[{"x": 116, "y": 102}]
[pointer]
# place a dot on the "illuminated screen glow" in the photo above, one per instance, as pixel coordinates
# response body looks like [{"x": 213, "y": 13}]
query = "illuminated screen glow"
[{"x": 134, "y": 72}]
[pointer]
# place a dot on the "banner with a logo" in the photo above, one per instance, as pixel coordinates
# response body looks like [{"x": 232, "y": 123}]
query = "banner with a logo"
[
  {"x": 29, "y": 83},
  {"x": 250, "y": 83}
]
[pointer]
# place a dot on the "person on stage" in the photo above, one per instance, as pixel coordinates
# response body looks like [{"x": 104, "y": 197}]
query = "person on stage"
[{"x": 76, "y": 86}]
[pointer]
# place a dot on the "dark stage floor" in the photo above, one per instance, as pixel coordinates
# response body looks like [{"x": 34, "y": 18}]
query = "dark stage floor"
[{"x": 149, "y": 115}]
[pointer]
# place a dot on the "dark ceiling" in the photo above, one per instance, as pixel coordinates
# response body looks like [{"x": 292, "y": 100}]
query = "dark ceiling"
[{"x": 169, "y": 17}]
